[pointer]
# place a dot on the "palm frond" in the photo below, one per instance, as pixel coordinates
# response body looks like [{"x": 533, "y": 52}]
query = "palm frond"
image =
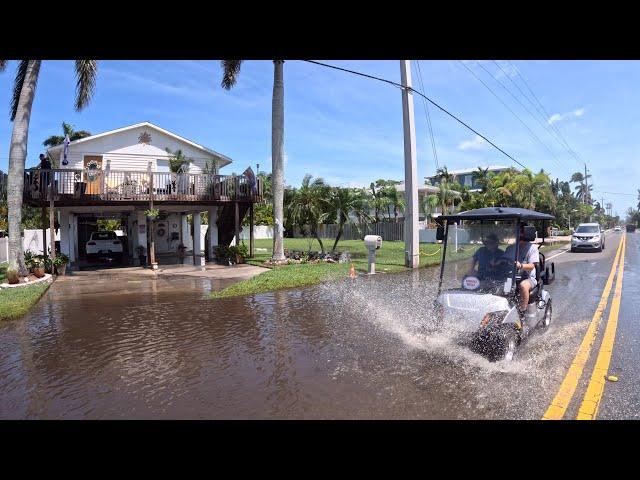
[
  {"x": 17, "y": 87},
  {"x": 86, "y": 73},
  {"x": 230, "y": 72}
]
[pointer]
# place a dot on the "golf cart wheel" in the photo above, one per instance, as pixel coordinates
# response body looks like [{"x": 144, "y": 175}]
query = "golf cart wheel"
[
  {"x": 546, "y": 320},
  {"x": 504, "y": 344}
]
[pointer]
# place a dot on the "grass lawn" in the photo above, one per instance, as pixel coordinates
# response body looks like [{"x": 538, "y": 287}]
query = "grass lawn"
[
  {"x": 15, "y": 302},
  {"x": 389, "y": 259}
]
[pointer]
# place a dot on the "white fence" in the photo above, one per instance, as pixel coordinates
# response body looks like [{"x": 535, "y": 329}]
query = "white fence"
[{"x": 4, "y": 250}]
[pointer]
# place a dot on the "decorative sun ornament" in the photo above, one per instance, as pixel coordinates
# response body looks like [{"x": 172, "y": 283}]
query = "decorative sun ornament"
[{"x": 144, "y": 138}]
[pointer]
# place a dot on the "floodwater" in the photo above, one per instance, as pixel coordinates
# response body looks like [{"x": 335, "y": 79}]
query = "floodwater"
[{"x": 106, "y": 347}]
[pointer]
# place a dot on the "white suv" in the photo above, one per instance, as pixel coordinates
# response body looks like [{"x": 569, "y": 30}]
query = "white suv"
[
  {"x": 588, "y": 235},
  {"x": 104, "y": 243}
]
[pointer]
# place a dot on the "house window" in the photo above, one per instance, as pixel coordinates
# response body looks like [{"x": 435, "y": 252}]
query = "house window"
[{"x": 162, "y": 165}]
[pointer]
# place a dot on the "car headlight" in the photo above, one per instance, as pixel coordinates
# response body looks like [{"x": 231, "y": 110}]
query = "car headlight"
[{"x": 596, "y": 237}]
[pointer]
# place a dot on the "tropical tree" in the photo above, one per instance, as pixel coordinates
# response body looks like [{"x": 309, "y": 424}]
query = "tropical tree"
[
  {"x": 395, "y": 201},
  {"x": 231, "y": 70},
  {"x": 177, "y": 159},
  {"x": 309, "y": 206},
  {"x": 350, "y": 206},
  {"x": 24, "y": 90},
  {"x": 482, "y": 178},
  {"x": 67, "y": 129},
  {"x": 429, "y": 204}
]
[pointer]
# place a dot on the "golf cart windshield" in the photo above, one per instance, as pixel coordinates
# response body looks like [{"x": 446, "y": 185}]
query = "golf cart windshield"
[{"x": 476, "y": 256}]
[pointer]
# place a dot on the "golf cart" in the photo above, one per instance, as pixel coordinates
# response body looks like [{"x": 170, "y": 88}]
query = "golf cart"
[{"x": 480, "y": 307}]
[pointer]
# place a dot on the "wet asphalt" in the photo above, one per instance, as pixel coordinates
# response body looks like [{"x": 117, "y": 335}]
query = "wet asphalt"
[{"x": 160, "y": 348}]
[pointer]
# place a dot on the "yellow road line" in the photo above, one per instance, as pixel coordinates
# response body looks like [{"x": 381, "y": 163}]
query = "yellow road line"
[
  {"x": 595, "y": 390},
  {"x": 567, "y": 389}
]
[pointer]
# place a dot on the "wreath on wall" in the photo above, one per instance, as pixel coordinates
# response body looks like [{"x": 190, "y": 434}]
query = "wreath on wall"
[{"x": 93, "y": 170}]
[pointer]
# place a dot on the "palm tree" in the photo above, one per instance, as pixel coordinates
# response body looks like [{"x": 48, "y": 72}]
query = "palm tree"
[
  {"x": 24, "y": 90},
  {"x": 396, "y": 200},
  {"x": 482, "y": 178},
  {"x": 429, "y": 204},
  {"x": 309, "y": 206},
  {"x": 67, "y": 129},
  {"x": 231, "y": 70},
  {"x": 348, "y": 203}
]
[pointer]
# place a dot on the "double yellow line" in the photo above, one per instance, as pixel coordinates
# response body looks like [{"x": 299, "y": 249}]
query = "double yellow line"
[{"x": 595, "y": 389}]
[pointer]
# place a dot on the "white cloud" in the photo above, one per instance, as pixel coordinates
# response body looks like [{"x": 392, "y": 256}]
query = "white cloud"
[
  {"x": 557, "y": 117},
  {"x": 478, "y": 143}
]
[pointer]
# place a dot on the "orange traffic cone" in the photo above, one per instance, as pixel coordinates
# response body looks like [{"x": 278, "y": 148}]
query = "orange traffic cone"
[{"x": 352, "y": 271}]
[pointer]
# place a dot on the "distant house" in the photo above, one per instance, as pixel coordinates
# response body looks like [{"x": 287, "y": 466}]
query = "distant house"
[
  {"x": 117, "y": 174},
  {"x": 465, "y": 176}
]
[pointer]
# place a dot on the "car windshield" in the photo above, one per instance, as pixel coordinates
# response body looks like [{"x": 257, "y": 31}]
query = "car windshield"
[
  {"x": 478, "y": 249},
  {"x": 103, "y": 236},
  {"x": 587, "y": 229}
]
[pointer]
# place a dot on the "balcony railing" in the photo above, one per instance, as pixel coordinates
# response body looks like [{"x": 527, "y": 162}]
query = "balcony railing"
[{"x": 118, "y": 185}]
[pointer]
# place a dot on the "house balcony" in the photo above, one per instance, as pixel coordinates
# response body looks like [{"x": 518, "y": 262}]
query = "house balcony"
[{"x": 67, "y": 187}]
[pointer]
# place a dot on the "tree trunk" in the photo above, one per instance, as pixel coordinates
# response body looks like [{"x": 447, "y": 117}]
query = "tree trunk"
[
  {"x": 335, "y": 244},
  {"x": 17, "y": 158},
  {"x": 315, "y": 232},
  {"x": 277, "y": 159}
]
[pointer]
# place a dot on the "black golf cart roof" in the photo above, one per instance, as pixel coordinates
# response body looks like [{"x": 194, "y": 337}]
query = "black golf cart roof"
[{"x": 498, "y": 213}]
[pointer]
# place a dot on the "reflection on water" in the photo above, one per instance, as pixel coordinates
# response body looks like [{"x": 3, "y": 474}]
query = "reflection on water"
[{"x": 105, "y": 347}]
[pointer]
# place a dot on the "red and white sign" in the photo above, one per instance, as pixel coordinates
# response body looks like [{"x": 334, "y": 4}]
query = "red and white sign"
[{"x": 470, "y": 283}]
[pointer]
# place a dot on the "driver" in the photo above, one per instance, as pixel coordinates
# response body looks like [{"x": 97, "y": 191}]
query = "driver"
[
  {"x": 528, "y": 256},
  {"x": 486, "y": 258}
]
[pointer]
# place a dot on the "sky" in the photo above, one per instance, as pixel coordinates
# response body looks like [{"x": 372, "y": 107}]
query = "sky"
[{"x": 348, "y": 129}]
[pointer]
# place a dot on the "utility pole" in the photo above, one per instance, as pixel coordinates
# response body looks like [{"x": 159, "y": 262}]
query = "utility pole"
[
  {"x": 586, "y": 184},
  {"x": 411, "y": 240}
]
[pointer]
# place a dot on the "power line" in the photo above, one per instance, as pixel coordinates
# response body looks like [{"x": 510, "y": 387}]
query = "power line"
[
  {"x": 517, "y": 70},
  {"x": 542, "y": 123},
  {"x": 512, "y": 112},
  {"x": 426, "y": 111},
  {"x": 398, "y": 85}
]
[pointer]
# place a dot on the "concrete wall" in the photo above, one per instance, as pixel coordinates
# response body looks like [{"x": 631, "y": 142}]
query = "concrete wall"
[{"x": 32, "y": 240}]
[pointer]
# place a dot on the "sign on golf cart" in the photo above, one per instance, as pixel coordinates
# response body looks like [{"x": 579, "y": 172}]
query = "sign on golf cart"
[{"x": 470, "y": 283}]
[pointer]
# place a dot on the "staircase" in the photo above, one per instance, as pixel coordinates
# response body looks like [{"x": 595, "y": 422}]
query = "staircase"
[{"x": 226, "y": 221}]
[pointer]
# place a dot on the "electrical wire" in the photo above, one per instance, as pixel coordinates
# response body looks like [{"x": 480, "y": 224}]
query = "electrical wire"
[
  {"x": 510, "y": 110},
  {"x": 426, "y": 110},
  {"x": 398, "y": 85}
]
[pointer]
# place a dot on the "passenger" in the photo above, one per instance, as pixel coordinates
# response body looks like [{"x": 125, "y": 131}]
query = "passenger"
[
  {"x": 528, "y": 256},
  {"x": 486, "y": 258}
]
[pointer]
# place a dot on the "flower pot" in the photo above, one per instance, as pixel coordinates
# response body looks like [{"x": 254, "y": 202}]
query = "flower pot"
[
  {"x": 38, "y": 271},
  {"x": 239, "y": 259},
  {"x": 13, "y": 278},
  {"x": 61, "y": 269}
]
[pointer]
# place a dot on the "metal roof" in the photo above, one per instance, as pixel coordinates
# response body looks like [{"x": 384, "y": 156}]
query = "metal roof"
[{"x": 499, "y": 213}]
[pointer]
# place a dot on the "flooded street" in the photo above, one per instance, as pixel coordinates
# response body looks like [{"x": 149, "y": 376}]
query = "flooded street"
[{"x": 105, "y": 347}]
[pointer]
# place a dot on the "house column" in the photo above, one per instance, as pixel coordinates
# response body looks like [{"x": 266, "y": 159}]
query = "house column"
[
  {"x": 141, "y": 234},
  {"x": 65, "y": 234},
  {"x": 184, "y": 230},
  {"x": 197, "y": 246},
  {"x": 213, "y": 231}
]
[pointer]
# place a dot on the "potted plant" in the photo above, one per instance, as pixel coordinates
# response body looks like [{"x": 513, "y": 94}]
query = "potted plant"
[
  {"x": 141, "y": 251},
  {"x": 12, "y": 276},
  {"x": 29, "y": 258},
  {"x": 60, "y": 263},
  {"x": 181, "y": 250},
  {"x": 152, "y": 213},
  {"x": 37, "y": 266},
  {"x": 241, "y": 253},
  {"x": 48, "y": 266}
]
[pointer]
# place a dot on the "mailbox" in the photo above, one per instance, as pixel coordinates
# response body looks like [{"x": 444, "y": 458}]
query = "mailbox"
[{"x": 373, "y": 242}]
